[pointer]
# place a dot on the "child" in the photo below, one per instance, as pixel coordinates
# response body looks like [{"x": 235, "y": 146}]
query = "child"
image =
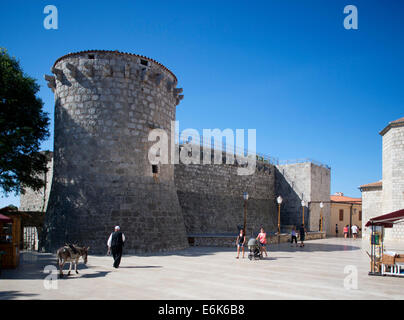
[
  {"x": 240, "y": 243},
  {"x": 294, "y": 236},
  {"x": 262, "y": 237}
]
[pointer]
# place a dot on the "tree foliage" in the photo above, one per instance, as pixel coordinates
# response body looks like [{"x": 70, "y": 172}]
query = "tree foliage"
[{"x": 23, "y": 126}]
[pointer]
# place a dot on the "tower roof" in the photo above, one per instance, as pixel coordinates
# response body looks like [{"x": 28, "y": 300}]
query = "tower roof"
[
  {"x": 396, "y": 123},
  {"x": 371, "y": 186},
  {"x": 117, "y": 53}
]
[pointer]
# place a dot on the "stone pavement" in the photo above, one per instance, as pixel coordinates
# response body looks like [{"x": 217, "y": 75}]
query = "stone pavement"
[{"x": 313, "y": 272}]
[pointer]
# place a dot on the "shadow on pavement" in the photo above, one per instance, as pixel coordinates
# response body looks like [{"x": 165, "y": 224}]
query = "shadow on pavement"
[
  {"x": 313, "y": 247},
  {"x": 32, "y": 266},
  {"x": 8, "y": 295},
  {"x": 97, "y": 274},
  {"x": 140, "y": 267},
  {"x": 310, "y": 246}
]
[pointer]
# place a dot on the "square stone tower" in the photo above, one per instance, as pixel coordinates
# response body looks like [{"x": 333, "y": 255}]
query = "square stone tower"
[
  {"x": 387, "y": 195},
  {"x": 393, "y": 166}
]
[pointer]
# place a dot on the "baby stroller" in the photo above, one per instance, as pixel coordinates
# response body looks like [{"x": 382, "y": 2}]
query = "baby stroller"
[{"x": 254, "y": 248}]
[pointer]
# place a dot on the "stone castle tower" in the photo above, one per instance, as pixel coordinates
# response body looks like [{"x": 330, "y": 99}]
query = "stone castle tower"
[
  {"x": 106, "y": 103},
  {"x": 393, "y": 166},
  {"x": 387, "y": 195}
]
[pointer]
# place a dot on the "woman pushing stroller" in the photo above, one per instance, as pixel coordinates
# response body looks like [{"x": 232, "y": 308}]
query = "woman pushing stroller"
[{"x": 262, "y": 238}]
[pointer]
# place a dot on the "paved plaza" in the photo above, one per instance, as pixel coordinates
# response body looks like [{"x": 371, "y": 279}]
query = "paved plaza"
[{"x": 313, "y": 272}]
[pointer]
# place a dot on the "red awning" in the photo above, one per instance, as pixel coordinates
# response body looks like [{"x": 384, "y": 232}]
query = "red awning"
[
  {"x": 5, "y": 219},
  {"x": 387, "y": 220}
]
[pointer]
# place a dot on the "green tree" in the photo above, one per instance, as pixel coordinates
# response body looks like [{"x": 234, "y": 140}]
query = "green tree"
[{"x": 23, "y": 125}]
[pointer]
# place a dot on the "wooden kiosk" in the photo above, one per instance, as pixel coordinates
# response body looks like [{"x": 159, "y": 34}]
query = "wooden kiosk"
[
  {"x": 384, "y": 263},
  {"x": 10, "y": 234}
]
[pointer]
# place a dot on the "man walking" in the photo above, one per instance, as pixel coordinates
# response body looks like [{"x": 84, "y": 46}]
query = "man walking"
[
  {"x": 302, "y": 231},
  {"x": 354, "y": 229},
  {"x": 115, "y": 245}
]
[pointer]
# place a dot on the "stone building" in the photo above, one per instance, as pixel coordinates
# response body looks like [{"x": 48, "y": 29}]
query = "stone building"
[
  {"x": 344, "y": 211},
  {"x": 106, "y": 103},
  {"x": 387, "y": 195},
  {"x": 308, "y": 181}
]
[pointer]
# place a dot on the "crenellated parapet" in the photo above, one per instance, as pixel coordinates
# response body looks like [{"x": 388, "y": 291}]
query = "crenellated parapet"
[
  {"x": 98, "y": 64},
  {"x": 51, "y": 81}
]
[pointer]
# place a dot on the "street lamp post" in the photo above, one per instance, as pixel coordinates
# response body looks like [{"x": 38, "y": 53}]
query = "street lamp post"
[
  {"x": 303, "y": 204},
  {"x": 245, "y": 197},
  {"x": 321, "y": 216},
  {"x": 279, "y": 200}
]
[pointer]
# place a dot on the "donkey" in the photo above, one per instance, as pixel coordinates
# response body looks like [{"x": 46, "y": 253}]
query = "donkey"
[{"x": 71, "y": 253}]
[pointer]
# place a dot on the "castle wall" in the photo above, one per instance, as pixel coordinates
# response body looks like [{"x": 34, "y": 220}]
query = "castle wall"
[
  {"x": 106, "y": 103},
  {"x": 309, "y": 182},
  {"x": 293, "y": 183},
  {"x": 211, "y": 198},
  {"x": 320, "y": 190},
  {"x": 32, "y": 200}
]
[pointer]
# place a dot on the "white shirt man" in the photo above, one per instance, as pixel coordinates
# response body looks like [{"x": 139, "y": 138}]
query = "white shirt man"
[
  {"x": 115, "y": 244},
  {"x": 354, "y": 229},
  {"x": 117, "y": 228}
]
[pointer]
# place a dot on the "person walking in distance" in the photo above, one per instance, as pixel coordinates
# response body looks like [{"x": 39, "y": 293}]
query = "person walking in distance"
[
  {"x": 240, "y": 243},
  {"x": 294, "y": 236},
  {"x": 336, "y": 230},
  {"x": 346, "y": 230},
  {"x": 115, "y": 245},
  {"x": 354, "y": 229},
  {"x": 302, "y": 233}
]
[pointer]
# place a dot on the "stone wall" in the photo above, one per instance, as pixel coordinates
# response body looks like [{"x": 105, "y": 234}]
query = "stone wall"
[
  {"x": 320, "y": 190},
  {"x": 211, "y": 198},
  {"x": 32, "y": 200},
  {"x": 371, "y": 207},
  {"x": 309, "y": 182}
]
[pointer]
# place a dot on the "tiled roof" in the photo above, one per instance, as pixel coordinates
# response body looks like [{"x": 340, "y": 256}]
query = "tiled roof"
[
  {"x": 373, "y": 184},
  {"x": 398, "y": 120},
  {"x": 118, "y": 53},
  {"x": 396, "y": 123},
  {"x": 335, "y": 198}
]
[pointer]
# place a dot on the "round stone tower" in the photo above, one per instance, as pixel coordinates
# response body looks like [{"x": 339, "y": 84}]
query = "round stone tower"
[{"x": 106, "y": 103}]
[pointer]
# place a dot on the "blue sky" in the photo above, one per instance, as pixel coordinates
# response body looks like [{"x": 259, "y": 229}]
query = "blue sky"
[{"x": 288, "y": 69}]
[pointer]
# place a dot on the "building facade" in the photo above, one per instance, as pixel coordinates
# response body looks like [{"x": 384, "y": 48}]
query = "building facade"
[
  {"x": 387, "y": 195},
  {"x": 345, "y": 211}
]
